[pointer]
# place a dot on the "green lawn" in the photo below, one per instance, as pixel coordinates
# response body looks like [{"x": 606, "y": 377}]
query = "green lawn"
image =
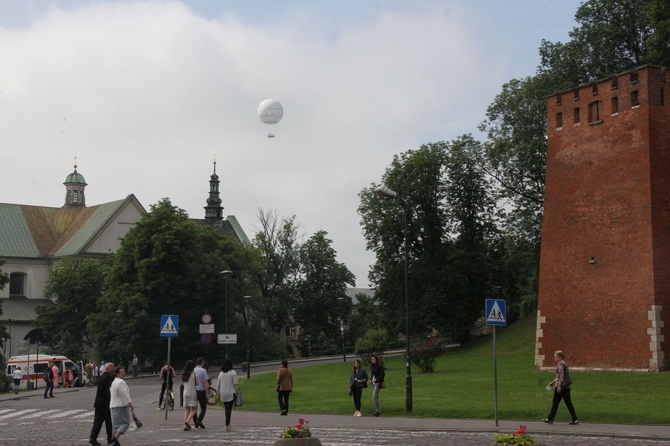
[{"x": 462, "y": 387}]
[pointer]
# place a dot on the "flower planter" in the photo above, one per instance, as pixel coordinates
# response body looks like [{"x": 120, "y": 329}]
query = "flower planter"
[{"x": 306, "y": 441}]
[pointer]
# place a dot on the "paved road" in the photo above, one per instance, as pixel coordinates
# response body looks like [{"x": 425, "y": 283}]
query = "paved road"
[{"x": 67, "y": 419}]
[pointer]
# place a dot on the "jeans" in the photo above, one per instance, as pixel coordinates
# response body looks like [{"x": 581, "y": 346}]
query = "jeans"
[
  {"x": 565, "y": 396},
  {"x": 49, "y": 391},
  {"x": 376, "y": 387},
  {"x": 202, "y": 399}
]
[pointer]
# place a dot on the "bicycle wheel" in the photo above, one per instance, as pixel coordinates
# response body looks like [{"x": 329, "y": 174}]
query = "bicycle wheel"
[
  {"x": 213, "y": 397},
  {"x": 171, "y": 402}
]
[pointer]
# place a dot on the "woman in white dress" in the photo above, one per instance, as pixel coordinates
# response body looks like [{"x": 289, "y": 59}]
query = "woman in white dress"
[
  {"x": 226, "y": 386},
  {"x": 120, "y": 404},
  {"x": 190, "y": 395}
]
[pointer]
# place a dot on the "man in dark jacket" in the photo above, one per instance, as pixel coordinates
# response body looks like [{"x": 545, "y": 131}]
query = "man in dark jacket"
[{"x": 101, "y": 405}]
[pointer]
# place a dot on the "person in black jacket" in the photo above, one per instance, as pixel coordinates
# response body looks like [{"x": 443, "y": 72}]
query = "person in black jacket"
[
  {"x": 101, "y": 405},
  {"x": 378, "y": 374},
  {"x": 357, "y": 382}
]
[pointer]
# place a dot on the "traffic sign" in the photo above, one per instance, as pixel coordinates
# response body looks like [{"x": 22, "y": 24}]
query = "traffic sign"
[
  {"x": 496, "y": 312},
  {"x": 226, "y": 339},
  {"x": 206, "y": 328},
  {"x": 206, "y": 338},
  {"x": 169, "y": 325}
]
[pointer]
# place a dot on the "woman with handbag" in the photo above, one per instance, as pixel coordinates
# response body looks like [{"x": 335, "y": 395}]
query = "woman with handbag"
[
  {"x": 378, "y": 374},
  {"x": 562, "y": 390},
  {"x": 284, "y": 386},
  {"x": 357, "y": 382},
  {"x": 226, "y": 386}
]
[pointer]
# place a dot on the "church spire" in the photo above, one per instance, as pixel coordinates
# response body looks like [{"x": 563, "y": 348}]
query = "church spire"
[
  {"x": 74, "y": 188},
  {"x": 214, "y": 210}
]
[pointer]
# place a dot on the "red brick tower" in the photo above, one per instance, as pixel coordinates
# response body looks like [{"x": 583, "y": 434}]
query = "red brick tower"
[{"x": 604, "y": 293}]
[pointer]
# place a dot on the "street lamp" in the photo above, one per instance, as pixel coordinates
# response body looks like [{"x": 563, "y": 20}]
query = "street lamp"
[
  {"x": 386, "y": 192},
  {"x": 344, "y": 350},
  {"x": 226, "y": 275},
  {"x": 246, "y": 302}
]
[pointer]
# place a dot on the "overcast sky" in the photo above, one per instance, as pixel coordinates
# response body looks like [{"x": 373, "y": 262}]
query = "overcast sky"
[{"x": 146, "y": 94}]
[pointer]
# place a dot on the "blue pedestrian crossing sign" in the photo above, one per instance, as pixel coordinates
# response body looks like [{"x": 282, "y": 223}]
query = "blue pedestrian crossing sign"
[
  {"x": 169, "y": 325},
  {"x": 496, "y": 312}
]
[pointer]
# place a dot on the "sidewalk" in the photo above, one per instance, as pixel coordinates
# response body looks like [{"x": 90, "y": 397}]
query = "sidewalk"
[{"x": 316, "y": 421}]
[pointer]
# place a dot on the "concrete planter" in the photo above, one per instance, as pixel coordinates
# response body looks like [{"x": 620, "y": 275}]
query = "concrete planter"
[{"x": 307, "y": 441}]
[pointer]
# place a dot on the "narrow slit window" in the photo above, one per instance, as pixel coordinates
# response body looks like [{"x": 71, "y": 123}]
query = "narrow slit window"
[
  {"x": 634, "y": 98},
  {"x": 559, "y": 99},
  {"x": 576, "y": 115},
  {"x": 615, "y": 105},
  {"x": 615, "y": 83},
  {"x": 594, "y": 89},
  {"x": 633, "y": 77},
  {"x": 594, "y": 112},
  {"x": 559, "y": 120},
  {"x": 576, "y": 95}
]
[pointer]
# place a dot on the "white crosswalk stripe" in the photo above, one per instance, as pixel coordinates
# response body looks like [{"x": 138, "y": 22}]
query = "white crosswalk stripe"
[
  {"x": 17, "y": 414},
  {"x": 67, "y": 413},
  {"x": 85, "y": 414},
  {"x": 40, "y": 414}
]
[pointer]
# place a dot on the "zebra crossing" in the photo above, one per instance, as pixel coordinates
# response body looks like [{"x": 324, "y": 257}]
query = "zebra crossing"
[{"x": 20, "y": 415}]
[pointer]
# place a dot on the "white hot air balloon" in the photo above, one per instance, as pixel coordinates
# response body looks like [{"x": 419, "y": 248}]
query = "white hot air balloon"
[{"x": 270, "y": 112}]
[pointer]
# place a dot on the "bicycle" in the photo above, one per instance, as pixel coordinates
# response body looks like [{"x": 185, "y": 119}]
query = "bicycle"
[
  {"x": 169, "y": 399},
  {"x": 213, "y": 397}
]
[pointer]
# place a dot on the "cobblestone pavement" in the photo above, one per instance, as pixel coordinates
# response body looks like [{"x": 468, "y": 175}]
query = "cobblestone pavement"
[{"x": 54, "y": 426}]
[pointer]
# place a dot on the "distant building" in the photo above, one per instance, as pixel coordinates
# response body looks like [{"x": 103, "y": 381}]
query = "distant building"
[
  {"x": 33, "y": 239},
  {"x": 604, "y": 290}
]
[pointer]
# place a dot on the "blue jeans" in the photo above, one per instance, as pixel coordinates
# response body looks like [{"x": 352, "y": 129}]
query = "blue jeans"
[{"x": 49, "y": 391}]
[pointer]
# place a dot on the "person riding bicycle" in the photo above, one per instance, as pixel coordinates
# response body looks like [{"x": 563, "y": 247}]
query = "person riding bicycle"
[{"x": 167, "y": 377}]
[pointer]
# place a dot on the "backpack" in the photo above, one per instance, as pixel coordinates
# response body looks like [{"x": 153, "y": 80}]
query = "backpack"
[{"x": 45, "y": 377}]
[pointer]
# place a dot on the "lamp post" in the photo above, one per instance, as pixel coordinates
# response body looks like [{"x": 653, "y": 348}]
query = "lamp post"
[
  {"x": 246, "y": 303},
  {"x": 386, "y": 192},
  {"x": 226, "y": 275},
  {"x": 344, "y": 350}
]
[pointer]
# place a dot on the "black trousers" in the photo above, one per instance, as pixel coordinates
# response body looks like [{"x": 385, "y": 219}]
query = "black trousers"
[
  {"x": 102, "y": 415},
  {"x": 282, "y": 397},
  {"x": 358, "y": 393},
  {"x": 160, "y": 398},
  {"x": 202, "y": 399},
  {"x": 228, "y": 405},
  {"x": 49, "y": 390},
  {"x": 565, "y": 396}
]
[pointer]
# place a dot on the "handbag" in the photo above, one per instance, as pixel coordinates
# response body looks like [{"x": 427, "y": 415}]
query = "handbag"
[
  {"x": 238, "y": 398},
  {"x": 383, "y": 384},
  {"x": 137, "y": 421},
  {"x": 282, "y": 380}
]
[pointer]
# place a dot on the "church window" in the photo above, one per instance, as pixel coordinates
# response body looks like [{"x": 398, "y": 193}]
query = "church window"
[{"x": 17, "y": 283}]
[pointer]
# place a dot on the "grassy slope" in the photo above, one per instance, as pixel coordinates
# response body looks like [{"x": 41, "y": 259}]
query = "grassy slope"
[{"x": 462, "y": 387}]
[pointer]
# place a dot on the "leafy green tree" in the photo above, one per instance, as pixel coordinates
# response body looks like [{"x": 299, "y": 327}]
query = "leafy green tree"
[
  {"x": 276, "y": 265},
  {"x": 168, "y": 265},
  {"x": 321, "y": 294},
  {"x": 374, "y": 342},
  {"x": 659, "y": 44},
  {"x": 364, "y": 316},
  {"x": 76, "y": 284},
  {"x": 4, "y": 280}
]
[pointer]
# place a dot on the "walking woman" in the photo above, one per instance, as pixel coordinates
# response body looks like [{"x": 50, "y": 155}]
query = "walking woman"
[
  {"x": 120, "y": 404},
  {"x": 357, "y": 382},
  {"x": 284, "y": 386},
  {"x": 190, "y": 395},
  {"x": 378, "y": 374},
  {"x": 562, "y": 389},
  {"x": 226, "y": 386}
]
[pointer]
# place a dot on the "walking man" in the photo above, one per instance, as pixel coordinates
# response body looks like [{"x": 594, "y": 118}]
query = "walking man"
[
  {"x": 49, "y": 379},
  {"x": 17, "y": 376},
  {"x": 101, "y": 405},
  {"x": 135, "y": 365},
  {"x": 202, "y": 391}
]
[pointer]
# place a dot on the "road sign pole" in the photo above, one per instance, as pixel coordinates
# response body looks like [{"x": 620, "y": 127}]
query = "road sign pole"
[
  {"x": 166, "y": 401},
  {"x": 495, "y": 374}
]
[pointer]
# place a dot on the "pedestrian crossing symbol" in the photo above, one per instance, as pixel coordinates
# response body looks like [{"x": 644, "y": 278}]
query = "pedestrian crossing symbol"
[
  {"x": 169, "y": 325},
  {"x": 496, "y": 310}
]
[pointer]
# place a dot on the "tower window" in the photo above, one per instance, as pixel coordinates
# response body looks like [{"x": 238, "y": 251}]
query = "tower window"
[
  {"x": 615, "y": 105},
  {"x": 594, "y": 89},
  {"x": 634, "y": 98},
  {"x": 559, "y": 120},
  {"x": 594, "y": 112},
  {"x": 615, "y": 83},
  {"x": 633, "y": 77},
  {"x": 559, "y": 99},
  {"x": 17, "y": 283},
  {"x": 75, "y": 196},
  {"x": 575, "y": 115},
  {"x": 576, "y": 95}
]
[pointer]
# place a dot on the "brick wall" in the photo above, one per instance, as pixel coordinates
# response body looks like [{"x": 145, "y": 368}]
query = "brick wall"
[{"x": 604, "y": 293}]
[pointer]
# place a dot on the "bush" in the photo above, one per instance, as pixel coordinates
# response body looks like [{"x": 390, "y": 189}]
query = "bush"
[
  {"x": 373, "y": 343},
  {"x": 424, "y": 354}
]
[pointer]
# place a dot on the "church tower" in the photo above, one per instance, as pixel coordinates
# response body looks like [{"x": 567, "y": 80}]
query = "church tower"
[
  {"x": 74, "y": 189},
  {"x": 214, "y": 210},
  {"x": 604, "y": 292}
]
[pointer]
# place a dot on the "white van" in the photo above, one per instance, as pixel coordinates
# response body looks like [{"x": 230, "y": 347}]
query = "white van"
[{"x": 33, "y": 367}]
